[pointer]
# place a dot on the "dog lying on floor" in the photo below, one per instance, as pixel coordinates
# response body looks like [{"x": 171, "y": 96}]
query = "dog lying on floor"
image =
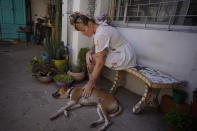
[{"x": 105, "y": 102}]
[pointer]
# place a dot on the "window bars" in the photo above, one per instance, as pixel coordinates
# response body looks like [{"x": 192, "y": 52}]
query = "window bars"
[{"x": 167, "y": 14}]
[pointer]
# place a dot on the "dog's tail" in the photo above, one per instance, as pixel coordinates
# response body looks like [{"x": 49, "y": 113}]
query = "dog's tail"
[{"x": 119, "y": 110}]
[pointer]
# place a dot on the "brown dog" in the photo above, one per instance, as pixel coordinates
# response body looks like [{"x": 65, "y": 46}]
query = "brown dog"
[{"x": 106, "y": 104}]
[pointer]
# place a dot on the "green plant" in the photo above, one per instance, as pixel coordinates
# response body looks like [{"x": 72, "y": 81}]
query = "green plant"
[
  {"x": 82, "y": 57},
  {"x": 36, "y": 60},
  {"x": 58, "y": 20},
  {"x": 54, "y": 49},
  {"x": 180, "y": 121},
  {"x": 62, "y": 78},
  {"x": 40, "y": 67},
  {"x": 44, "y": 69}
]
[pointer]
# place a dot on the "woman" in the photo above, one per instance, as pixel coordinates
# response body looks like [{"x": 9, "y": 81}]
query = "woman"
[{"x": 110, "y": 48}]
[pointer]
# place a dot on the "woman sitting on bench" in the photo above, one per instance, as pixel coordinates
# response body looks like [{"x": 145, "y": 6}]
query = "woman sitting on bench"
[{"x": 110, "y": 48}]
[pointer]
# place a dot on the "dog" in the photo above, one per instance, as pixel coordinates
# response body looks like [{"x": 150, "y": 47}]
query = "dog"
[{"x": 106, "y": 103}]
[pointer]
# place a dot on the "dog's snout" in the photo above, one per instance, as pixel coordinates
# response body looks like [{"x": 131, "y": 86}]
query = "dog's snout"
[{"x": 56, "y": 95}]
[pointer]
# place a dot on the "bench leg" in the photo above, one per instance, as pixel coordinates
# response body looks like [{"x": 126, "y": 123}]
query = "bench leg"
[
  {"x": 115, "y": 83},
  {"x": 138, "y": 107},
  {"x": 152, "y": 99}
]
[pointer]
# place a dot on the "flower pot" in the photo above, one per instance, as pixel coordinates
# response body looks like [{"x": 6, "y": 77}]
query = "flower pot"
[
  {"x": 77, "y": 76},
  {"x": 60, "y": 65},
  {"x": 179, "y": 96},
  {"x": 44, "y": 79},
  {"x": 64, "y": 83}
]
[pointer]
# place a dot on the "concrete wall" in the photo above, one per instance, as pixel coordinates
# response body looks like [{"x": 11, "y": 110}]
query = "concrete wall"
[
  {"x": 38, "y": 8},
  {"x": 171, "y": 52},
  {"x": 101, "y": 7}
]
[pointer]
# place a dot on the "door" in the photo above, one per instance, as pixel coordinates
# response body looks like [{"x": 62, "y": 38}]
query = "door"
[{"x": 12, "y": 16}]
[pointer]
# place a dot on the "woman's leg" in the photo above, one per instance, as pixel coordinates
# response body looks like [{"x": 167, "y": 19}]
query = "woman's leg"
[{"x": 90, "y": 66}]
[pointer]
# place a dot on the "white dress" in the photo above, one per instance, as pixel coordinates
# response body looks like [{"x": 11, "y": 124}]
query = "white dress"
[{"x": 120, "y": 54}]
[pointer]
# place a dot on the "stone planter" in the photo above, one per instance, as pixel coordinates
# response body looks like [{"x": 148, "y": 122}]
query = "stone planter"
[{"x": 77, "y": 76}]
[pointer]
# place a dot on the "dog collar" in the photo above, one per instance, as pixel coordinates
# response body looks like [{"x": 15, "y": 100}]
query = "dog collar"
[{"x": 69, "y": 91}]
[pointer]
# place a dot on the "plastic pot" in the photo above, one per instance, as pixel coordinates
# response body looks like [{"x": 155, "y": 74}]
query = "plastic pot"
[{"x": 179, "y": 96}]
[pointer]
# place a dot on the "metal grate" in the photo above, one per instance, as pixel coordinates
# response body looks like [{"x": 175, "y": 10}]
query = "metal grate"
[{"x": 171, "y": 15}]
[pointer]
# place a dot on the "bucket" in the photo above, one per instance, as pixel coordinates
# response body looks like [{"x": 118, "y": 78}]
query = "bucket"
[
  {"x": 60, "y": 65},
  {"x": 179, "y": 96}
]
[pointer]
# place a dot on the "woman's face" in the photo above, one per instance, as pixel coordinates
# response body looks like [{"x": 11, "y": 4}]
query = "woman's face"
[{"x": 87, "y": 30}]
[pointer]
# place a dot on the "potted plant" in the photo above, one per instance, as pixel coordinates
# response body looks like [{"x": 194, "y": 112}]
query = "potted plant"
[
  {"x": 53, "y": 46},
  {"x": 56, "y": 54},
  {"x": 63, "y": 79},
  {"x": 78, "y": 71},
  {"x": 42, "y": 70},
  {"x": 179, "y": 120}
]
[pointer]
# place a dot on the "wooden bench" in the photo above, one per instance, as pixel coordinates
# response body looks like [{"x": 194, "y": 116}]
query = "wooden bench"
[{"x": 154, "y": 81}]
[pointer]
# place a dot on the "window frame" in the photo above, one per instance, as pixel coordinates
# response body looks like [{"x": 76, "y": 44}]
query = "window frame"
[{"x": 164, "y": 25}]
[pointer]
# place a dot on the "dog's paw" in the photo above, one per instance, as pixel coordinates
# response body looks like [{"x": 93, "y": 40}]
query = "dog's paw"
[
  {"x": 53, "y": 117},
  {"x": 94, "y": 124},
  {"x": 101, "y": 129},
  {"x": 65, "y": 113}
]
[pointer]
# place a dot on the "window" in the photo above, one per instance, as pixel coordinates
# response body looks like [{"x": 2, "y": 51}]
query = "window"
[{"x": 156, "y": 12}]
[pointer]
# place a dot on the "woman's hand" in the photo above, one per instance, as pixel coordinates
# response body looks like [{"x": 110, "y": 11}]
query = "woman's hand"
[
  {"x": 87, "y": 90},
  {"x": 89, "y": 57}
]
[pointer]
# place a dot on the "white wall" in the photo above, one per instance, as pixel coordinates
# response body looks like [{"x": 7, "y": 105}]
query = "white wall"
[
  {"x": 171, "y": 52},
  {"x": 38, "y": 9},
  {"x": 101, "y": 7}
]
